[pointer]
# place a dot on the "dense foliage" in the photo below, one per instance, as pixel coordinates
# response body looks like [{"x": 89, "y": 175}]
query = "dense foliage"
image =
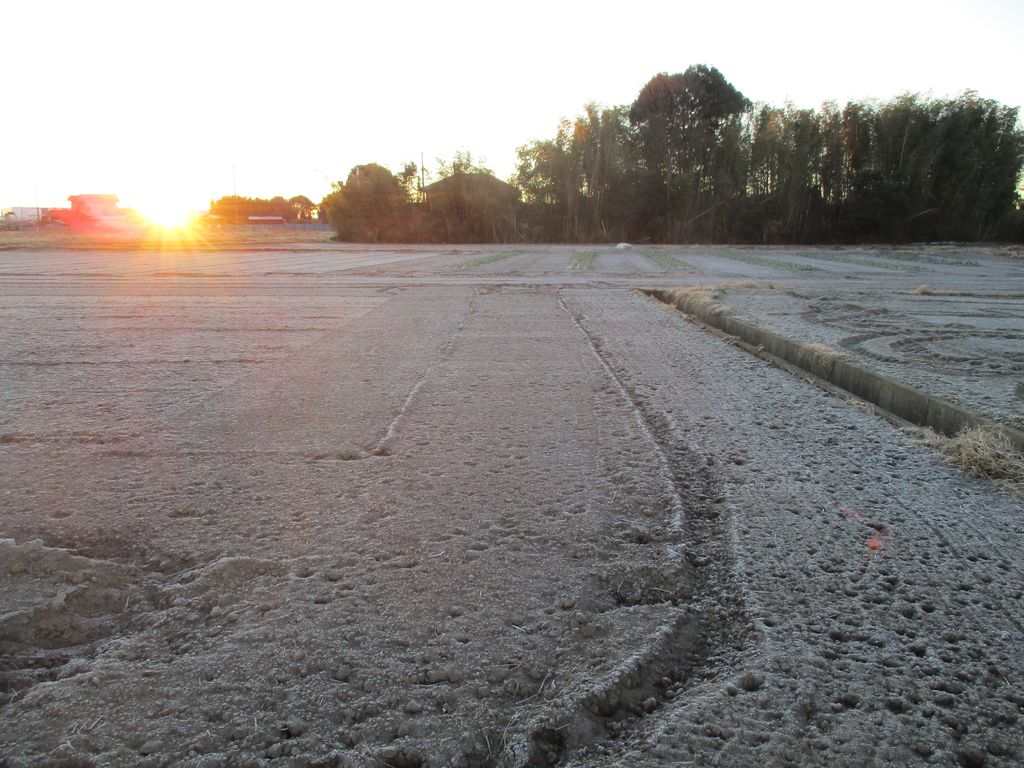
[
  {"x": 371, "y": 205},
  {"x": 467, "y": 204},
  {"x": 693, "y": 160},
  {"x": 235, "y": 209}
]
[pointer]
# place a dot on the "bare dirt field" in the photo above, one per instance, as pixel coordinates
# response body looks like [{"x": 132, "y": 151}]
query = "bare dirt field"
[{"x": 328, "y": 505}]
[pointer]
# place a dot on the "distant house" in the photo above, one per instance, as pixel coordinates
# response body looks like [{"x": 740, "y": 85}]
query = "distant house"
[
  {"x": 100, "y": 208},
  {"x": 266, "y": 219},
  {"x": 473, "y": 208},
  {"x": 95, "y": 212}
]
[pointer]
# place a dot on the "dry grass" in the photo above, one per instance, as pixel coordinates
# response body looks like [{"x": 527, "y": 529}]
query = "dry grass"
[
  {"x": 707, "y": 298},
  {"x": 700, "y": 298},
  {"x": 927, "y": 290},
  {"x": 983, "y": 451},
  {"x": 818, "y": 358}
]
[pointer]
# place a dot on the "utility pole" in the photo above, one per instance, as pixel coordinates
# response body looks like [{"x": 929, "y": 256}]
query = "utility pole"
[{"x": 422, "y": 181}]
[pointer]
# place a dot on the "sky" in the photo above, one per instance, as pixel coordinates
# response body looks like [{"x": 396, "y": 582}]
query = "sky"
[{"x": 170, "y": 105}]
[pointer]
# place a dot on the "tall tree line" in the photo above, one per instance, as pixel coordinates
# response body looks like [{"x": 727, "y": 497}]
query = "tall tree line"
[
  {"x": 235, "y": 209},
  {"x": 694, "y": 160}
]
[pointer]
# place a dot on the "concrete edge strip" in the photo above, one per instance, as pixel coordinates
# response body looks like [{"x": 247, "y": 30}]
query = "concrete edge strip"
[{"x": 901, "y": 401}]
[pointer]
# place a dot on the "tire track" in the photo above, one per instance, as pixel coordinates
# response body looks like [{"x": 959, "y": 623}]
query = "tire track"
[
  {"x": 705, "y": 633},
  {"x": 383, "y": 446}
]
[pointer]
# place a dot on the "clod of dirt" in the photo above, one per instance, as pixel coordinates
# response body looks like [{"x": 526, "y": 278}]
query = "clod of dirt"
[
  {"x": 292, "y": 728},
  {"x": 751, "y": 681}
]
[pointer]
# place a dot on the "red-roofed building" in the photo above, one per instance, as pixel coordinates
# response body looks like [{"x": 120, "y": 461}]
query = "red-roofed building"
[{"x": 95, "y": 212}]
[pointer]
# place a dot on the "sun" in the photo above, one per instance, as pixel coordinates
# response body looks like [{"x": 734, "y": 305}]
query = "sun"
[
  {"x": 164, "y": 211},
  {"x": 167, "y": 215}
]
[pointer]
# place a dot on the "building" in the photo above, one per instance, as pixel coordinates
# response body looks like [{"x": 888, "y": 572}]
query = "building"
[
  {"x": 101, "y": 209},
  {"x": 95, "y": 212},
  {"x": 23, "y": 214},
  {"x": 473, "y": 208}
]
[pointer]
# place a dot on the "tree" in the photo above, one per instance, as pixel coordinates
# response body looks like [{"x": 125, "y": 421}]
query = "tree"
[
  {"x": 695, "y": 162},
  {"x": 680, "y": 121},
  {"x": 580, "y": 185},
  {"x": 691, "y": 160},
  {"x": 371, "y": 205},
  {"x": 461, "y": 162},
  {"x": 237, "y": 210},
  {"x": 278, "y": 206},
  {"x": 540, "y": 177},
  {"x": 302, "y": 207},
  {"x": 409, "y": 178}
]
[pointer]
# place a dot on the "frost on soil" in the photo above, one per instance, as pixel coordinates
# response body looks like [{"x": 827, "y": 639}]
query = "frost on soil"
[{"x": 361, "y": 521}]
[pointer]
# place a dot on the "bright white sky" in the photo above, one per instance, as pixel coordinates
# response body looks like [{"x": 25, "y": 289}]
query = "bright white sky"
[{"x": 171, "y": 104}]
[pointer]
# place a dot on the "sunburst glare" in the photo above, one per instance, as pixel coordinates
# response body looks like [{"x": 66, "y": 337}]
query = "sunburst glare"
[{"x": 166, "y": 214}]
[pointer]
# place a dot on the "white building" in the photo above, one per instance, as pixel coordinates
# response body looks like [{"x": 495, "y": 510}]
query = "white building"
[{"x": 22, "y": 214}]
